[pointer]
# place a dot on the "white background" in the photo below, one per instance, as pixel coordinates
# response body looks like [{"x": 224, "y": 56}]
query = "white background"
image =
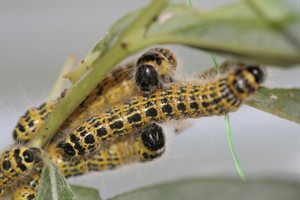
[{"x": 37, "y": 37}]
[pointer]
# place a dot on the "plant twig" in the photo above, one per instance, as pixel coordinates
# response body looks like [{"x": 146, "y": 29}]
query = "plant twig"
[
  {"x": 60, "y": 81},
  {"x": 102, "y": 65}
]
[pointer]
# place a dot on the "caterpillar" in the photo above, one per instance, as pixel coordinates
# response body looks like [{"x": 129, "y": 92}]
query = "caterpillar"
[
  {"x": 147, "y": 144},
  {"x": 31, "y": 121},
  {"x": 16, "y": 164},
  {"x": 117, "y": 86},
  {"x": 178, "y": 101}
]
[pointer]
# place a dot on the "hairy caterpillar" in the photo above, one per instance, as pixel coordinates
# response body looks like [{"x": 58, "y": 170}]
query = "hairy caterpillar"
[
  {"x": 116, "y": 87},
  {"x": 16, "y": 163},
  {"x": 179, "y": 101},
  {"x": 147, "y": 144},
  {"x": 114, "y": 84}
]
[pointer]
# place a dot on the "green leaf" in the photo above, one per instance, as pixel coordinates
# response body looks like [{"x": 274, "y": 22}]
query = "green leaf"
[
  {"x": 284, "y": 103},
  {"x": 263, "y": 31},
  {"x": 85, "y": 193},
  {"x": 53, "y": 185},
  {"x": 211, "y": 189}
]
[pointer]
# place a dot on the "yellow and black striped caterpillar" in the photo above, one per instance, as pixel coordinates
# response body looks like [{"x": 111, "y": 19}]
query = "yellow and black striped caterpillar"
[
  {"x": 147, "y": 144},
  {"x": 112, "y": 85},
  {"x": 167, "y": 102},
  {"x": 16, "y": 163},
  {"x": 116, "y": 87},
  {"x": 179, "y": 101}
]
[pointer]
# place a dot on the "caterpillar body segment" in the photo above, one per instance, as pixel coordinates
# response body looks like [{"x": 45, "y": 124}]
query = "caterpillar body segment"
[
  {"x": 68, "y": 167},
  {"x": 179, "y": 101},
  {"x": 24, "y": 193},
  {"x": 147, "y": 144},
  {"x": 117, "y": 83},
  {"x": 116, "y": 87},
  {"x": 17, "y": 163},
  {"x": 31, "y": 121},
  {"x": 29, "y": 189}
]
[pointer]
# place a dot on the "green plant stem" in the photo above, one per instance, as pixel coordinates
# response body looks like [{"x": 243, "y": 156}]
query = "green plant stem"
[
  {"x": 235, "y": 158},
  {"x": 58, "y": 85},
  {"x": 190, "y": 3},
  {"x": 216, "y": 64},
  {"x": 75, "y": 95},
  {"x": 78, "y": 92}
]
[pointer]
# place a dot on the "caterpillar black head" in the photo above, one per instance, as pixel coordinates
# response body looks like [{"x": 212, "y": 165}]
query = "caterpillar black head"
[
  {"x": 18, "y": 162},
  {"x": 68, "y": 150},
  {"x": 155, "y": 68},
  {"x": 147, "y": 79},
  {"x": 153, "y": 137},
  {"x": 257, "y": 72},
  {"x": 245, "y": 81},
  {"x": 153, "y": 141}
]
